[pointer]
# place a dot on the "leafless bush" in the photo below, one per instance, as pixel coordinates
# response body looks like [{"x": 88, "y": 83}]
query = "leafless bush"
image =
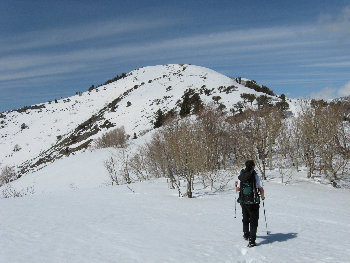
[
  {"x": 118, "y": 168},
  {"x": 9, "y": 192},
  {"x": 7, "y": 175},
  {"x": 115, "y": 138},
  {"x": 176, "y": 152},
  {"x": 111, "y": 166},
  {"x": 125, "y": 168},
  {"x": 318, "y": 138},
  {"x": 254, "y": 135},
  {"x": 215, "y": 144},
  {"x": 138, "y": 165},
  {"x": 324, "y": 139}
]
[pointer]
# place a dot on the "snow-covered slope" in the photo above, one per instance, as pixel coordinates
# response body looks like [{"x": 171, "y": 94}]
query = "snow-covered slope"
[
  {"x": 74, "y": 217},
  {"x": 39, "y": 134},
  {"x": 81, "y": 171},
  {"x": 73, "y": 214}
]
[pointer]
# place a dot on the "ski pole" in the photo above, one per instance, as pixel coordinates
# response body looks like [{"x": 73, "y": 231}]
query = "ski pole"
[
  {"x": 236, "y": 200},
  {"x": 235, "y": 204},
  {"x": 267, "y": 232}
]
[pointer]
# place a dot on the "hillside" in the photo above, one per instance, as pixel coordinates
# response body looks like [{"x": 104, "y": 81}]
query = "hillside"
[
  {"x": 34, "y": 136},
  {"x": 69, "y": 211},
  {"x": 74, "y": 217}
]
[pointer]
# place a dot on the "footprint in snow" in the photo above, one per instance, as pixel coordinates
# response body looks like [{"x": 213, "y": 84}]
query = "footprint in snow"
[{"x": 244, "y": 251}]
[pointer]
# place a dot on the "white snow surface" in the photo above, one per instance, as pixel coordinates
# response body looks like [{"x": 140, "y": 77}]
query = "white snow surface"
[{"x": 75, "y": 216}]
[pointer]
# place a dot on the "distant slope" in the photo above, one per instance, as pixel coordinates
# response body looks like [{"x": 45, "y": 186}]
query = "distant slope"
[{"x": 39, "y": 134}]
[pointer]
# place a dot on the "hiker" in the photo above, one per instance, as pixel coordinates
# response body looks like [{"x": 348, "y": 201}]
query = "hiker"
[{"x": 249, "y": 186}]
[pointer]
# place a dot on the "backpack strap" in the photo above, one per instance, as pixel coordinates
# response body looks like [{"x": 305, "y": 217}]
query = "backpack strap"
[
  {"x": 255, "y": 190},
  {"x": 243, "y": 176}
]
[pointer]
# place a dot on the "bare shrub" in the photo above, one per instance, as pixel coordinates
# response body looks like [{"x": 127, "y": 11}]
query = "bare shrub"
[
  {"x": 322, "y": 133},
  {"x": 318, "y": 138},
  {"x": 7, "y": 175},
  {"x": 330, "y": 128},
  {"x": 112, "y": 169},
  {"x": 214, "y": 142},
  {"x": 254, "y": 136},
  {"x": 125, "y": 169},
  {"x": 118, "y": 168},
  {"x": 138, "y": 165},
  {"x": 176, "y": 152},
  {"x": 9, "y": 192},
  {"x": 115, "y": 138}
]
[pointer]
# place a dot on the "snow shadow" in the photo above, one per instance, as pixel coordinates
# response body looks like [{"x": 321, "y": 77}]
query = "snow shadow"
[
  {"x": 276, "y": 237},
  {"x": 201, "y": 192}
]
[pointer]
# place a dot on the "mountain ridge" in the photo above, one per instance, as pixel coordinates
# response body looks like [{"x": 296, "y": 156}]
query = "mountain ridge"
[{"x": 39, "y": 134}]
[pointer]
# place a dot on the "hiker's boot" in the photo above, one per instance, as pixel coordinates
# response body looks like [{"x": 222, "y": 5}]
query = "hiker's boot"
[
  {"x": 246, "y": 236},
  {"x": 251, "y": 242}
]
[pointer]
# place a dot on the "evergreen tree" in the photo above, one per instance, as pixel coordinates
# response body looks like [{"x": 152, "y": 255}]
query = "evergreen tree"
[
  {"x": 159, "y": 119},
  {"x": 185, "y": 108},
  {"x": 91, "y": 88},
  {"x": 282, "y": 105},
  {"x": 197, "y": 103},
  {"x": 263, "y": 101},
  {"x": 216, "y": 99},
  {"x": 24, "y": 126},
  {"x": 248, "y": 97}
]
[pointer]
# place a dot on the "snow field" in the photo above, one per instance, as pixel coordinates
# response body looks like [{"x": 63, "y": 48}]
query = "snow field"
[{"x": 113, "y": 224}]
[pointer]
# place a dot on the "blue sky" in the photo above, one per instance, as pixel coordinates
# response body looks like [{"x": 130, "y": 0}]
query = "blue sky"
[{"x": 52, "y": 49}]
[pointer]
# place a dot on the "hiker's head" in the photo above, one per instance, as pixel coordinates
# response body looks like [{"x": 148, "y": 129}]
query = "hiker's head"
[{"x": 249, "y": 165}]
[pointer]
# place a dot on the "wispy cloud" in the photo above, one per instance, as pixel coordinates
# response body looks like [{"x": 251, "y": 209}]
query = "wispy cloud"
[
  {"x": 345, "y": 90},
  {"x": 337, "y": 24},
  {"x": 340, "y": 64},
  {"x": 61, "y": 36},
  {"x": 308, "y": 51},
  {"x": 330, "y": 93},
  {"x": 44, "y": 71},
  {"x": 226, "y": 43},
  {"x": 325, "y": 94}
]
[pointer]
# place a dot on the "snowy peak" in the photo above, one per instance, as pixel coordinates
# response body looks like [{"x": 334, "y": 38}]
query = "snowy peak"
[{"x": 35, "y": 135}]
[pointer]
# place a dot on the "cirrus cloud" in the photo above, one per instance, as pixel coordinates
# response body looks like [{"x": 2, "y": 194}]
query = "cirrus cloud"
[
  {"x": 324, "y": 94},
  {"x": 345, "y": 90}
]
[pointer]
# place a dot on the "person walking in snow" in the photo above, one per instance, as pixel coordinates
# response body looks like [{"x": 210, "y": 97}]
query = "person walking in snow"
[{"x": 250, "y": 185}]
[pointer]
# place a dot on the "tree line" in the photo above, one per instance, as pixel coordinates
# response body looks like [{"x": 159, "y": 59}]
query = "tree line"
[{"x": 317, "y": 138}]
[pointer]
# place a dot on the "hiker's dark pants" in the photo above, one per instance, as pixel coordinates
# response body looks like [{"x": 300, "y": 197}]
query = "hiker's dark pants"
[{"x": 250, "y": 215}]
